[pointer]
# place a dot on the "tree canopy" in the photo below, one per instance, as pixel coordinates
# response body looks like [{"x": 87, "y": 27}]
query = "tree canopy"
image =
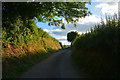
[
  {"x": 51, "y": 12},
  {"x": 18, "y": 18},
  {"x": 72, "y": 35}
]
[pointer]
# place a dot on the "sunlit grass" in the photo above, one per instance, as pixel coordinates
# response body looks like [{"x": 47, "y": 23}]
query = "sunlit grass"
[{"x": 17, "y": 59}]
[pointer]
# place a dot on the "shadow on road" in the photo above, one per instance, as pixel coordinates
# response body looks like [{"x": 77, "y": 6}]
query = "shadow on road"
[{"x": 60, "y": 65}]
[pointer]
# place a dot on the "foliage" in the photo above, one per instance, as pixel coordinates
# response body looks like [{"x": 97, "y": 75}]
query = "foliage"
[
  {"x": 61, "y": 44},
  {"x": 72, "y": 35},
  {"x": 20, "y": 35},
  {"x": 98, "y": 51},
  {"x": 66, "y": 46},
  {"x": 22, "y": 57},
  {"x": 23, "y": 43},
  {"x": 44, "y": 12},
  {"x": 14, "y": 66}
]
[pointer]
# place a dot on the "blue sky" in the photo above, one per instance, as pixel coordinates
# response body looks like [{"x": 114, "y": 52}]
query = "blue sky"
[{"x": 98, "y": 9}]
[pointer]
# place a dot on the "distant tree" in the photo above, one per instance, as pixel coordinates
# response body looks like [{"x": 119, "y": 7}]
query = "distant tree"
[
  {"x": 71, "y": 36},
  {"x": 61, "y": 45}
]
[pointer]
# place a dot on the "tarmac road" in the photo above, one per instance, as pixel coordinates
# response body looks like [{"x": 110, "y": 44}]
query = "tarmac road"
[{"x": 59, "y": 65}]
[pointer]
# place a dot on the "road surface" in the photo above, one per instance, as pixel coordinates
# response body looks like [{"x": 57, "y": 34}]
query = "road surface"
[{"x": 59, "y": 65}]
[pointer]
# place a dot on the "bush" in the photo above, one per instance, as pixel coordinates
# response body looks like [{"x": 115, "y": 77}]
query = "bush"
[
  {"x": 24, "y": 44},
  {"x": 97, "y": 51}
]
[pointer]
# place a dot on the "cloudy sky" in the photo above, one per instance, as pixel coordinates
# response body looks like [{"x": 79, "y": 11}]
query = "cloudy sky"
[{"x": 98, "y": 8}]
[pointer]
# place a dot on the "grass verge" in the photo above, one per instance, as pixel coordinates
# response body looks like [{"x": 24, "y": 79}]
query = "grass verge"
[{"x": 18, "y": 66}]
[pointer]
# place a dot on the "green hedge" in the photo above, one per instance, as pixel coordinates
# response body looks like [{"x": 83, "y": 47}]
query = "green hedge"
[{"x": 98, "y": 51}]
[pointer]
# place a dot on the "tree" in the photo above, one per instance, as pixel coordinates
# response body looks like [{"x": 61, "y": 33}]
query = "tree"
[
  {"x": 71, "y": 36},
  {"x": 61, "y": 45},
  {"x": 44, "y": 12},
  {"x": 19, "y": 17}
]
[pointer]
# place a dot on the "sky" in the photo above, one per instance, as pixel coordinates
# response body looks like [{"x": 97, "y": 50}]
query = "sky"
[{"x": 98, "y": 8}]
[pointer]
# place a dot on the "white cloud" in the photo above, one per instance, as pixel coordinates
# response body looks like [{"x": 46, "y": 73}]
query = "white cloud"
[
  {"x": 53, "y": 31},
  {"x": 46, "y": 30},
  {"x": 108, "y": 8},
  {"x": 83, "y": 25},
  {"x": 59, "y": 30},
  {"x": 65, "y": 42},
  {"x": 64, "y": 21},
  {"x": 81, "y": 32},
  {"x": 62, "y": 37},
  {"x": 89, "y": 19},
  {"x": 105, "y": 0}
]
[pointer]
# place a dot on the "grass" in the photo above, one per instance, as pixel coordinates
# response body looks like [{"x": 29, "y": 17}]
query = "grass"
[
  {"x": 14, "y": 70},
  {"x": 23, "y": 45},
  {"x": 17, "y": 59}
]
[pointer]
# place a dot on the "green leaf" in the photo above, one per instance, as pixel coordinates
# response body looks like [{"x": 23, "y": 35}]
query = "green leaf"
[
  {"x": 49, "y": 24},
  {"x": 75, "y": 25},
  {"x": 63, "y": 26}
]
